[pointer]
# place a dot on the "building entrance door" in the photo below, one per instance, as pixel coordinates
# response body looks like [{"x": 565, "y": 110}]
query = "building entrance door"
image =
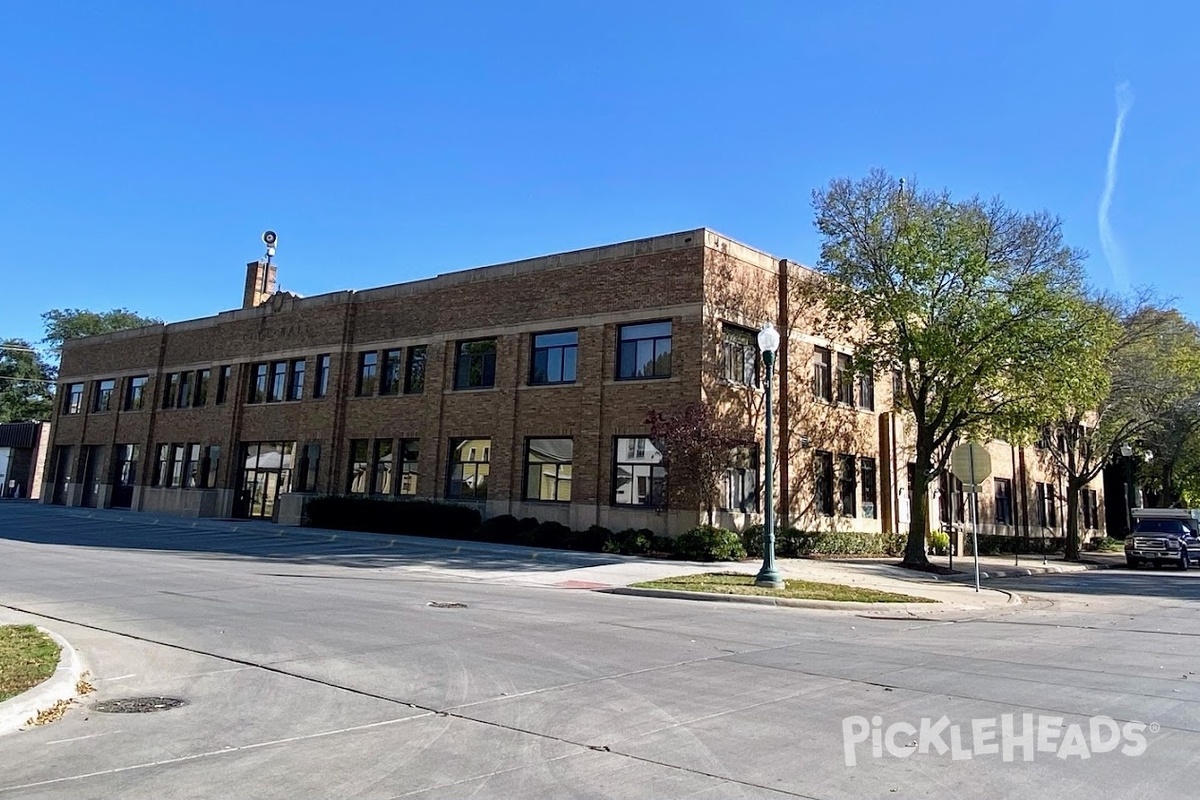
[
  {"x": 91, "y": 484},
  {"x": 62, "y": 475},
  {"x": 266, "y": 473},
  {"x": 124, "y": 475}
]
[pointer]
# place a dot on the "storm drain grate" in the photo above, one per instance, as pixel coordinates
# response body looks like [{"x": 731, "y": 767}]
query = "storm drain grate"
[{"x": 138, "y": 705}]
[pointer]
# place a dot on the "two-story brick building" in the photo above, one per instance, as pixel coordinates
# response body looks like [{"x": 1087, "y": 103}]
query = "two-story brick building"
[{"x": 522, "y": 387}]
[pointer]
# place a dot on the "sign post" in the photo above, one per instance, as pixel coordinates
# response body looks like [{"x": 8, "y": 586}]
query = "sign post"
[{"x": 971, "y": 463}]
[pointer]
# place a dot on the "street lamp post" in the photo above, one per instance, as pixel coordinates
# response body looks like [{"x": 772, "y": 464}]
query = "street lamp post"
[
  {"x": 1127, "y": 456},
  {"x": 768, "y": 576}
]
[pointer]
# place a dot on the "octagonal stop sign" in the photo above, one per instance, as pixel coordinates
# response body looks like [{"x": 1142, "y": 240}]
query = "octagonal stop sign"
[{"x": 970, "y": 463}]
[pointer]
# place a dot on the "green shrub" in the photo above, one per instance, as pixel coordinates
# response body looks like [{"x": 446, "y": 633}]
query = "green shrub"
[
  {"x": 996, "y": 545},
  {"x": 939, "y": 542},
  {"x": 596, "y": 539},
  {"x": 406, "y": 517},
  {"x": 707, "y": 543},
  {"x": 501, "y": 529},
  {"x": 662, "y": 545},
  {"x": 752, "y": 541},
  {"x": 631, "y": 542},
  {"x": 1105, "y": 544},
  {"x": 551, "y": 534}
]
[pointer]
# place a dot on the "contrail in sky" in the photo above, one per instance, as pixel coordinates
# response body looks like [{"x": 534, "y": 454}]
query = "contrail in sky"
[{"x": 1112, "y": 250}]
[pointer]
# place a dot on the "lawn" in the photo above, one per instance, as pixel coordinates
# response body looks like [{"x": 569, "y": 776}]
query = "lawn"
[
  {"x": 731, "y": 583},
  {"x": 27, "y": 657}
]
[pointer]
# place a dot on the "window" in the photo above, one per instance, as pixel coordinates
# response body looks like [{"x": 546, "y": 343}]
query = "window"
[
  {"x": 192, "y": 466},
  {"x": 866, "y": 391},
  {"x": 823, "y": 477},
  {"x": 278, "y": 389},
  {"x": 953, "y": 505},
  {"x": 202, "y": 378},
  {"x": 897, "y": 387},
  {"x": 845, "y": 379},
  {"x": 640, "y": 479},
  {"x": 104, "y": 393},
  {"x": 741, "y": 481},
  {"x": 644, "y": 351},
  {"x": 475, "y": 367},
  {"x": 296, "y": 380},
  {"x": 258, "y": 386},
  {"x": 739, "y": 355},
  {"x": 170, "y": 390},
  {"x": 73, "y": 398},
  {"x": 1090, "y": 502},
  {"x": 548, "y": 469},
  {"x": 391, "y": 373},
  {"x": 360, "y": 466},
  {"x": 866, "y": 471},
  {"x": 410, "y": 453},
  {"x": 1004, "y": 510},
  {"x": 176, "y": 472},
  {"x": 553, "y": 358},
  {"x": 210, "y": 465},
  {"x": 135, "y": 395},
  {"x": 162, "y": 465},
  {"x": 414, "y": 370},
  {"x": 368, "y": 373},
  {"x": 310, "y": 462},
  {"x": 1047, "y": 516},
  {"x": 321, "y": 388},
  {"x": 822, "y": 374},
  {"x": 185, "y": 390},
  {"x": 223, "y": 376},
  {"x": 847, "y": 486},
  {"x": 468, "y": 468},
  {"x": 382, "y": 467},
  {"x": 125, "y": 465}
]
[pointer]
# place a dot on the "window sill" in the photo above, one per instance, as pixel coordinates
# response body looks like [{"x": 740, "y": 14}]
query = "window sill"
[
  {"x": 547, "y": 502},
  {"x": 469, "y": 389},
  {"x": 636, "y": 381},
  {"x": 267, "y": 403},
  {"x": 556, "y": 385}
]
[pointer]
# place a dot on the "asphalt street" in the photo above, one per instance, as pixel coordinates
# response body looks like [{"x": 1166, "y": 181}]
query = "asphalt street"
[{"x": 320, "y": 667}]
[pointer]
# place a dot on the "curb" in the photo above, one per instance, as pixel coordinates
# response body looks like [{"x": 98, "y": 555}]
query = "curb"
[
  {"x": 15, "y": 712},
  {"x": 1023, "y": 572},
  {"x": 786, "y": 602}
]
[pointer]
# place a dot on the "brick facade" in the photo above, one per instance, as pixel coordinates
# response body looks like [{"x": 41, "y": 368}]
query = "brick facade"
[{"x": 698, "y": 281}]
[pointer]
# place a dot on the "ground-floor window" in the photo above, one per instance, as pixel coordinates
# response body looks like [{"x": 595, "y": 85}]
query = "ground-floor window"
[
  {"x": 1089, "y": 502},
  {"x": 870, "y": 491},
  {"x": 266, "y": 473},
  {"x": 847, "y": 485},
  {"x": 741, "y": 481},
  {"x": 360, "y": 466},
  {"x": 548, "y": 469},
  {"x": 470, "y": 464},
  {"x": 823, "y": 479},
  {"x": 639, "y": 477},
  {"x": 1046, "y": 510},
  {"x": 1004, "y": 515},
  {"x": 382, "y": 467},
  {"x": 410, "y": 454}
]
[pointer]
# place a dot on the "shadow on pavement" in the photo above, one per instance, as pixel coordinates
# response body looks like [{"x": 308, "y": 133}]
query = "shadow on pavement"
[{"x": 27, "y": 521}]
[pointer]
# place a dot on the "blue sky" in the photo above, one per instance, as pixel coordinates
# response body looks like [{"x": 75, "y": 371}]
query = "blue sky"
[{"x": 146, "y": 145}]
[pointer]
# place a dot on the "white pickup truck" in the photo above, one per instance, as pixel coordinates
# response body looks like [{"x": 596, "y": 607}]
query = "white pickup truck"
[{"x": 1164, "y": 536}]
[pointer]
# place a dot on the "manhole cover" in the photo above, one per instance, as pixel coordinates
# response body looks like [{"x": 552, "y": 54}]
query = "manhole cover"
[{"x": 138, "y": 705}]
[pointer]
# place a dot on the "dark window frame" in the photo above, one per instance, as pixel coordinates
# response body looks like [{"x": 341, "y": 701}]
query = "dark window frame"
[
  {"x": 557, "y": 478},
  {"x": 355, "y": 460},
  {"x": 554, "y": 353},
  {"x": 103, "y": 397},
  {"x": 260, "y": 377},
  {"x": 822, "y": 364},
  {"x": 321, "y": 380},
  {"x": 844, "y": 379},
  {"x": 186, "y": 390},
  {"x": 295, "y": 382},
  {"x": 408, "y": 466},
  {"x": 868, "y": 473},
  {"x": 739, "y": 355},
  {"x": 475, "y": 370},
  {"x": 415, "y": 359},
  {"x": 135, "y": 392},
  {"x": 468, "y": 464},
  {"x": 657, "y": 476},
  {"x": 823, "y": 483},
  {"x": 847, "y": 484},
  {"x": 1002, "y": 500},
  {"x": 629, "y": 352},
  {"x": 203, "y": 378},
  {"x": 170, "y": 394},
  {"x": 390, "y": 362},
  {"x": 224, "y": 378},
  {"x": 742, "y": 480},
  {"x": 367, "y": 383},
  {"x": 865, "y": 389}
]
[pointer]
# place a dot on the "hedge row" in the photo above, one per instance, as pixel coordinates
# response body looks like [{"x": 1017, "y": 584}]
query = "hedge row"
[
  {"x": 794, "y": 543},
  {"x": 446, "y": 521},
  {"x": 995, "y": 545}
]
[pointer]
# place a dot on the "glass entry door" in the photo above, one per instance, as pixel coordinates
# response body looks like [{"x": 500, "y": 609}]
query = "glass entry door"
[{"x": 266, "y": 473}]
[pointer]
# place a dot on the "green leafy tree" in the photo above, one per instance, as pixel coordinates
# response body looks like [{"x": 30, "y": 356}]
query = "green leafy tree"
[
  {"x": 1128, "y": 370},
  {"x": 970, "y": 301},
  {"x": 73, "y": 323},
  {"x": 25, "y": 383}
]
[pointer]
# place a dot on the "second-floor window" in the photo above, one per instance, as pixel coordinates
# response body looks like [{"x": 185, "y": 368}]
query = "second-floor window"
[
  {"x": 368, "y": 373},
  {"x": 823, "y": 374},
  {"x": 170, "y": 390},
  {"x": 202, "y": 380},
  {"x": 554, "y": 357},
  {"x": 224, "y": 375},
  {"x": 296, "y": 380},
  {"x": 414, "y": 370},
  {"x": 475, "y": 367},
  {"x": 866, "y": 391},
  {"x": 278, "y": 390},
  {"x": 845, "y": 379},
  {"x": 644, "y": 351},
  {"x": 258, "y": 385},
  {"x": 73, "y": 398},
  {"x": 739, "y": 355},
  {"x": 321, "y": 385},
  {"x": 104, "y": 395},
  {"x": 135, "y": 395},
  {"x": 390, "y": 383}
]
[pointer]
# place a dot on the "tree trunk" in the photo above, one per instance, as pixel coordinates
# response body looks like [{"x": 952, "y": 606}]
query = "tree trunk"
[
  {"x": 1072, "y": 544},
  {"x": 914, "y": 551}
]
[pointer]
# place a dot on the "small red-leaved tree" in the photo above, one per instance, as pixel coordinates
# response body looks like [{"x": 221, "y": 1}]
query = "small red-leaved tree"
[{"x": 696, "y": 452}]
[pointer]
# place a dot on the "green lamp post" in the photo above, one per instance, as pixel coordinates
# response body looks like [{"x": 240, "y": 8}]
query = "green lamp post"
[{"x": 768, "y": 576}]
